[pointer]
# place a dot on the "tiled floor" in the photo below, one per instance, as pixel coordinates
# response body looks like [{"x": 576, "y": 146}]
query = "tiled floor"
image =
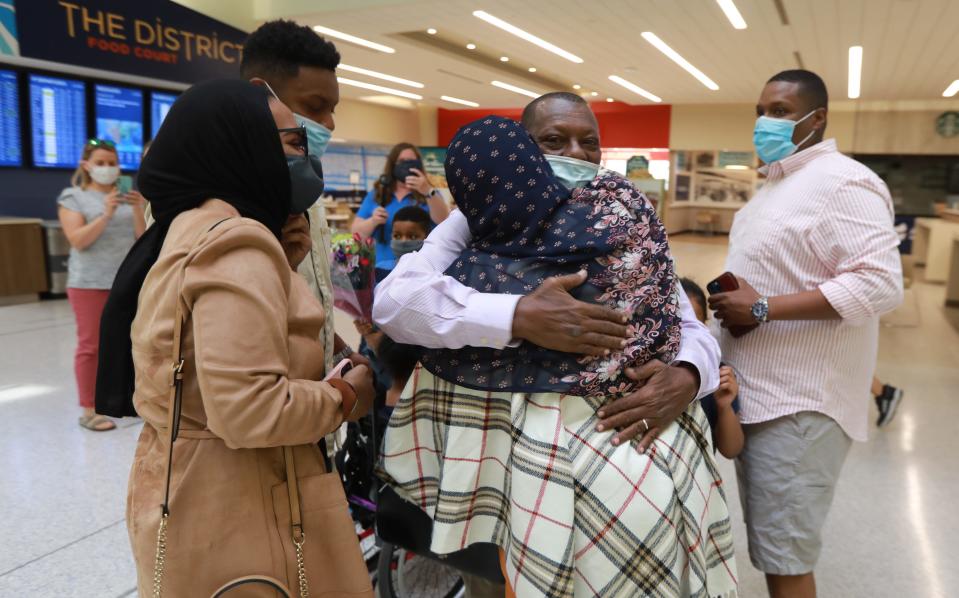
[{"x": 892, "y": 531}]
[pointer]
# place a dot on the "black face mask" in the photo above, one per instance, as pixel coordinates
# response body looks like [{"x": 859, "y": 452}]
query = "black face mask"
[
  {"x": 403, "y": 169},
  {"x": 306, "y": 182}
]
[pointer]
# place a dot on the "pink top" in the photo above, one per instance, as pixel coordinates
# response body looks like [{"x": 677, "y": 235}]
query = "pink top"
[{"x": 821, "y": 220}]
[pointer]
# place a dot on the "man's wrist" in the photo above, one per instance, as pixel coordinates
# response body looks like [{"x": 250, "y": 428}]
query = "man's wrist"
[{"x": 694, "y": 371}]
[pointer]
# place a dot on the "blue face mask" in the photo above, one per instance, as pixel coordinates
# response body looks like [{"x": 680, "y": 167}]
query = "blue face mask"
[
  {"x": 317, "y": 136},
  {"x": 571, "y": 172},
  {"x": 773, "y": 137}
]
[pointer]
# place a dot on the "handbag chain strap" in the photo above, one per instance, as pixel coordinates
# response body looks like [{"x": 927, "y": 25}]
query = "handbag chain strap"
[{"x": 173, "y": 428}]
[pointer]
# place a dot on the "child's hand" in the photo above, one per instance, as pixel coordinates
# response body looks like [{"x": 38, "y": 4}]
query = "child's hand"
[
  {"x": 364, "y": 327},
  {"x": 728, "y": 387}
]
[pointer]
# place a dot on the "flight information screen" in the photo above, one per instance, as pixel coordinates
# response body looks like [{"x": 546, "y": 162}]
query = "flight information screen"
[
  {"x": 58, "y": 121},
  {"x": 119, "y": 115},
  {"x": 159, "y": 105},
  {"x": 10, "y": 151}
]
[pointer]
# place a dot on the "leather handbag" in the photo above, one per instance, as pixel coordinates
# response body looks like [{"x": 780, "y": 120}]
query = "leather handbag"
[{"x": 173, "y": 426}]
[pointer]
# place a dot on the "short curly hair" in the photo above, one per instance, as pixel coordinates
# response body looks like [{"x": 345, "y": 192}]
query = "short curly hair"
[{"x": 277, "y": 50}]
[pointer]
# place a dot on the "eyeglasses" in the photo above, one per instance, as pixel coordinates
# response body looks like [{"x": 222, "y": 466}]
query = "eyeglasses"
[
  {"x": 301, "y": 133},
  {"x": 102, "y": 143}
]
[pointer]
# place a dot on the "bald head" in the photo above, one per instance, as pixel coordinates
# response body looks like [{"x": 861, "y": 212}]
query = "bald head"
[{"x": 562, "y": 124}]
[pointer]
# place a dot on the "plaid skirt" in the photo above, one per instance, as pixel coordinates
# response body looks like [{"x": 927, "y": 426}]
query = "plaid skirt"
[{"x": 575, "y": 515}]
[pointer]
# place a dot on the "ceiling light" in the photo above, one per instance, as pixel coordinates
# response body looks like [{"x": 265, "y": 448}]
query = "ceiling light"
[
  {"x": 855, "y": 71},
  {"x": 514, "y": 89},
  {"x": 732, "y": 13},
  {"x": 337, "y": 140},
  {"x": 634, "y": 88},
  {"x": 353, "y": 39},
  {"x": 431, "y": 31},
  {"x": 504, "y": 58},
  {"x": 593, "y": 93},
  {"x": 480, "y": 14},
  {"x": 384, "y": 76},
  {"x": 577, "y": 86},
  {"x": 736, "y": 167},
  {"x": 459, "y": 101},
  {"x": 370, "y": 86},
  {"x": 532, "y": 69},
  {"x": 952, "y": 90},
  {"x": 609, "y": 99},
  {"x": 470, "y": 46},
  {"x": 675, "y": 57}
]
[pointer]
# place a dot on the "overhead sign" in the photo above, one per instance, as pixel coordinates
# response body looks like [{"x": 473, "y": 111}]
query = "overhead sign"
[{"x": 150, "y": 38}]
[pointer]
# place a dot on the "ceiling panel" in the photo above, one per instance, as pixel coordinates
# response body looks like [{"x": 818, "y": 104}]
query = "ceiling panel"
[{"x": 911, "y": 51}]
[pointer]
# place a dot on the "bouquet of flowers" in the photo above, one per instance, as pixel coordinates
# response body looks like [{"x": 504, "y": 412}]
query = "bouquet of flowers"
[{"x": 352, "y": 262}]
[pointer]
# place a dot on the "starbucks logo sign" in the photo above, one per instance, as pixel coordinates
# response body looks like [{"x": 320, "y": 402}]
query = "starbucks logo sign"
[{"x": 947, "y": 125}]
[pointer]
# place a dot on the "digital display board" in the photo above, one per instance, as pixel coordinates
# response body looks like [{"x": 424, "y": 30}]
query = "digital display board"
[
  {"x": 159, "y": 105},
  {"x": 119, "y": 117},
  {"x": 58, "y": 121},
  {"x": 10, "y": 151}
]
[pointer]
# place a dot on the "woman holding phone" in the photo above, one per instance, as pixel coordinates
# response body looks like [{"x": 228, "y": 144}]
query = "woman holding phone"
[
  {"x": 402, "y": 184},
  {"x": 101, "y": 224}
]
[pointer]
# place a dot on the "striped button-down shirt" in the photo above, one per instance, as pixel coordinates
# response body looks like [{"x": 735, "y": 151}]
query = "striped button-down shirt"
[{"x": 821, "y": 221}]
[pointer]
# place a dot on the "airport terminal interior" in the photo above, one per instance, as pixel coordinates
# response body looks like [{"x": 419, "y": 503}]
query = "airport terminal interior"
[{"x": 673, "y": 88}]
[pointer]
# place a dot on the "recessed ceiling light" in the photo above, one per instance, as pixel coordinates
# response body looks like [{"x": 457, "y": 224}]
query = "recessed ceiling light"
[
  {"x": 459, "y": 101},
  {"x": 514, "y": 89},
  {"x": 673, "y": 55},
  {"x": 353, "y": 39},
  {"x": 634, "y": 88},
  {"x": 952, "y": 90},
  {"x": 594, "y": 93},
  {"x": 384, "y": 76},
  {"x": 509, "y": 28},
  {"x": 532, "y": 69},
  {"x": 736, "y": 167},
  {"x": 337, "y": 140},
  {"x": 389, "y": 90},
  {"x": 431, "y": 31},
  {"x": 470, "y": 46},
  {"x": 609, "y": 99},
  {"x": 577, "y": 86},
  {"x": 504, "y": 58},
  {"x": 732, "y": 13},
  {"x": 855, "y": 71}
]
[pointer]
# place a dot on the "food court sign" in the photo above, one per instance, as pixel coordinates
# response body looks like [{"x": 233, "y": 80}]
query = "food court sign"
[{"x": 151, "y": 38}]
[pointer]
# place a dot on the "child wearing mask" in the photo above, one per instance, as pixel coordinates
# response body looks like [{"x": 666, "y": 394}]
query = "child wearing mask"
[
  {"x": 721, "y": 407},
  {"x": 395, "y": 361}
]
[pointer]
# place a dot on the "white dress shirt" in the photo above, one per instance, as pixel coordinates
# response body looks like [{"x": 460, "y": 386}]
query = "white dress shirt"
[
  {"x": 821, "y": 221},
  {"x": 417, "y": 304}
]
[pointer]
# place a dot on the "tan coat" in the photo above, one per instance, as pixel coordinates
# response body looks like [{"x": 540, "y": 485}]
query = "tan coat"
[{"x": 251, "y": 386}]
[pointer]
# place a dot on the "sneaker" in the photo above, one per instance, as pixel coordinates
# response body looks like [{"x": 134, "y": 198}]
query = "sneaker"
[{"x": 888, "y": 403}]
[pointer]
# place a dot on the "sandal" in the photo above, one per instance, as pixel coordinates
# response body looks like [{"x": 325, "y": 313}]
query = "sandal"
[{"x": 95, "y": 423}]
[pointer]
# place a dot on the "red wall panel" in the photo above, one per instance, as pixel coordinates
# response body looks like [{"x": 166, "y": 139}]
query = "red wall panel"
[{"x": 620, "y": 125}]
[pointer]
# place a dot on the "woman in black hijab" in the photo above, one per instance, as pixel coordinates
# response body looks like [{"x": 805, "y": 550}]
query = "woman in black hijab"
[{"x": 244, "y": 484}]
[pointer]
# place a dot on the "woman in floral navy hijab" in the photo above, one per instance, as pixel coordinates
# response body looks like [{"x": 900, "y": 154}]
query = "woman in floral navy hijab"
[
  {"x": 501, "y": 446},
  {"x": 526, "y": 227}
]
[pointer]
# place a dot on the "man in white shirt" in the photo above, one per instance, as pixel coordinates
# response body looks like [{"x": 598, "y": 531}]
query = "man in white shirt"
[
  {"x": 819, "y": 251},
  {"x": 418, "y": 304}
]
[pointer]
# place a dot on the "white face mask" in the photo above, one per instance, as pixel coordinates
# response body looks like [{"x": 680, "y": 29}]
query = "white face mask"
[{"x": 104, "y": 175}]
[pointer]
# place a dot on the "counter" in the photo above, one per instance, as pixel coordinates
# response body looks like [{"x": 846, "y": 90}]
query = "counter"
[{"x": 23, "y": 272}]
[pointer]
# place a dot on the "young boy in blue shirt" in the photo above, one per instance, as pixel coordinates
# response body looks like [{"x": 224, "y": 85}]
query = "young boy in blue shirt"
[{"x": 721, "y": 407}]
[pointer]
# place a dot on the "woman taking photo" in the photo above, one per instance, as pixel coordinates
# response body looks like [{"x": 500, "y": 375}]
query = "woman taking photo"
[
  {"x": 229, "y": 446},
  {"x": 101, "y": 226},
  {"x": 402, "y": 184}
]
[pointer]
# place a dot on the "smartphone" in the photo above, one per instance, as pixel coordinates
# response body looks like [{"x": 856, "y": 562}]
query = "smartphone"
[
  {"x": 725, "y": 283},
  {"x": 124, "y": 184},
  {"x": 340, "y": 370}
]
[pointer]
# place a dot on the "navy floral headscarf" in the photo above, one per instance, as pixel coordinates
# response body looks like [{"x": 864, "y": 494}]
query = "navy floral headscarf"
[{"x": 527, "y": 227}]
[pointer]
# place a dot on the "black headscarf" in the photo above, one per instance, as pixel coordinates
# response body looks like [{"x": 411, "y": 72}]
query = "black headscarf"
[{"x": 219, "y": 140}]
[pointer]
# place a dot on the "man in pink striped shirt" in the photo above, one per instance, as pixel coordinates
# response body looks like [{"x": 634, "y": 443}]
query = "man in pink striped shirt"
[{"x": 816, "y": 256}]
